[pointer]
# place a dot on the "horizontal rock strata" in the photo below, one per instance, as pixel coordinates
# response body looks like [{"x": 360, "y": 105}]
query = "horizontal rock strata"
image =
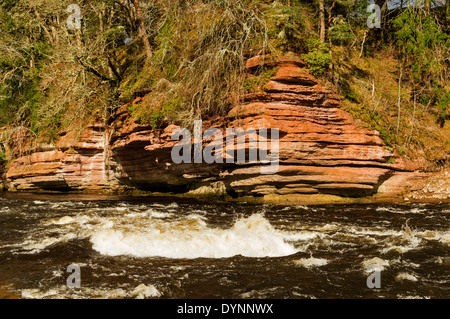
[
  {"x": 321, "y": 149},
  {"x": 67, "y": 166}
]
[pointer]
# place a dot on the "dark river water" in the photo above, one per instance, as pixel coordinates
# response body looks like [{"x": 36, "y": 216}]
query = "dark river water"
[{"x": 173, "y": 248}]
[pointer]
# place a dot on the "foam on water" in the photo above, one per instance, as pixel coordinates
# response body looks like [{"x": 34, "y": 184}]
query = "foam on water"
[
  {"x": 386, "y": 209},
  {"x": 444, "y": 237},
  {"x": 300, "y": 236},
  {"x": 36, "y": 246},
  {"x": 156, "y": 231},
  {"x": 156, "y": 214},
  {"x": 374, "y": 264},
  {"x": 193, "y": 238},
  {"x": 311, "y": 262},
  {"x": 142, "y": 291},
  {"x": 181, "y": 231},
  {"x": 405, "y": 276}
]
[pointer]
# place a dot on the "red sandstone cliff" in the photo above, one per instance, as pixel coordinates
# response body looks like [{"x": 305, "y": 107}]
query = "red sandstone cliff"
[
  {"x": 322, "y": 150},
  {"x": 73, "y": 164}
]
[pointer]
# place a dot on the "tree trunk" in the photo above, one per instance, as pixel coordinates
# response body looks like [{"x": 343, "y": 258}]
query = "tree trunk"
[
  {"x": 330, "y": 11},
  {"x": 428, "y": 5},
  {"x": 380, "y": 2},
  {"x": 362, "y": 45},
  {"x": 413, "y": 120},
  {"x": 383, "y": 6},
  {"x": 142, "y": 30},
  {"x": 399, "y": 99},
  {"x": 322, "y": 21},
  {"x": 447, "y": 10},
  {"x": 330, "y": 52}
]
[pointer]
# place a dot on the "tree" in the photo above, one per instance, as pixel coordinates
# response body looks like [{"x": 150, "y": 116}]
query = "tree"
[
  {"x": 322, "y": 20},
  {"x": 424, "y": 48},
  {"x": 142, "y": 30}
]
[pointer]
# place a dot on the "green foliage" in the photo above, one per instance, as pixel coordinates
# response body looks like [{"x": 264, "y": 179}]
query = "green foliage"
[
  {"x": 115, "y": 36},
  {"x": 155, "y": 114},
  {"x": 442, "y": 104},
  {"x": 391, "y": 160},
  {"x": 354, "y": 11},
  {"x": 138, "y": 79},
  {"x": 286, "y": 25},
  {"x": 422, "y": 42},
  {"x": 318, "y": 57},
  {"x": 340, "y": 31},
  {"x": 19, "y": 90},
  {"x": 425, "y": 47},
  {"x": 318, "y": 61},
  {"x": 259, "y": 81},
  {"x": 3, "y": 156}
]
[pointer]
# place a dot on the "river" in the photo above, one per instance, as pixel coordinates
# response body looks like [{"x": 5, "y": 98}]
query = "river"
[{"x": 180, "y": 248}]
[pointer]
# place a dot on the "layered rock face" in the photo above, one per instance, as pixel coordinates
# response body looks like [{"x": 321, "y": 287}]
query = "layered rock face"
[
  {"x": 75, "y": 163},
  {"x": 321, "y": 149},
  {"x": 2, "y": 176},
  {"x": 140, "y": 157}
]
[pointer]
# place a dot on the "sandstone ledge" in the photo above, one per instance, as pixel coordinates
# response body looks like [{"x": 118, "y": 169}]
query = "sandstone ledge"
[{"x": 324, "y": 155}]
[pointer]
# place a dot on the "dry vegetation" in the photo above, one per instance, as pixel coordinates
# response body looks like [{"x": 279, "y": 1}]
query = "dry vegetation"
[{"x": 370, "y": 92}]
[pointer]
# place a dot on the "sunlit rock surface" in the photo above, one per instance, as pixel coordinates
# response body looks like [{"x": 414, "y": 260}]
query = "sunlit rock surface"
[{"x": 321, "y": 148}]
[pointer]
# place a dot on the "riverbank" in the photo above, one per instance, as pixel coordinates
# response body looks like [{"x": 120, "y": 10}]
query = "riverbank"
[
  {"x": 323, "y": 155},
  {"x": 320, "y": 149},
  {"x": 432, "y": 189}
]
